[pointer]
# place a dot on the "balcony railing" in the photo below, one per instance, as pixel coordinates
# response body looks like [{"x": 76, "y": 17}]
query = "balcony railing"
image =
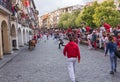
[
  {"x": 6, "y": 4},
  {"x": 24, "y": 22}
]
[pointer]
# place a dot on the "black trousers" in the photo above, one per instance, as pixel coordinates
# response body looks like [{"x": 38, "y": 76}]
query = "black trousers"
[{"x": 61, "y": 44}]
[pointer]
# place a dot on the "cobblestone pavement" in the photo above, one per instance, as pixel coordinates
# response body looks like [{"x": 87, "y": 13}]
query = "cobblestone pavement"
[{"x": 46, "y": 63}]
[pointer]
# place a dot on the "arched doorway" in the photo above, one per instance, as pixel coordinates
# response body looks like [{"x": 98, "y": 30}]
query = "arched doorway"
[
  {"x": 5, "y": 37},
  {"x": 13, "y": 35},
  {"x": 19, "y": 37}
]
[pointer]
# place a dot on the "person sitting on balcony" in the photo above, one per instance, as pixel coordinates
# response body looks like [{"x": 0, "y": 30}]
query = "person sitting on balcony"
[{"x": 13, "y": 10}]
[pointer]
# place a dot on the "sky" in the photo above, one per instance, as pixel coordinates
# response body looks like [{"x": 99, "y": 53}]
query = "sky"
[{"x": 46, "y": 6}]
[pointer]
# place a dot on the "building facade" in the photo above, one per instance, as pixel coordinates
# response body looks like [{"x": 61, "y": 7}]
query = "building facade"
[
  {"x": 52, "y": 18},
  {"x": 5, "y": 39},
  {"x": 45, "y": 21},
  {"x": 16, "y": 24}
]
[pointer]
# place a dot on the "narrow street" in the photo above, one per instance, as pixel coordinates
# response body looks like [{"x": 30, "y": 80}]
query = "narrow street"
[{"x": 46, "y": 63}]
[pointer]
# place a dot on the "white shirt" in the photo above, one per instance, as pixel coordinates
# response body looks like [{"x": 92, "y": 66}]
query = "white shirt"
[
  {"x": 102, "y": 29},
  {"x": 61, "y": 35},
  {"x": 110, "y": 29},
  {"x": 100, "y": 35},
  {"x": 44, "y": 36},
  {"x": 89, "y": 36},
  {"x": 106, "y": 39}
]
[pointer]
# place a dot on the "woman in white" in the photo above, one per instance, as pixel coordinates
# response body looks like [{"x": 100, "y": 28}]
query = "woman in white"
[
  {"x": 105, "y": 40},
  {"x": 45, "y": 37}
]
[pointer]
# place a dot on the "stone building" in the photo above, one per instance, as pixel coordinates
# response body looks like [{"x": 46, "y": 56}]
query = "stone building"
[
  {"x": 54, "y": 16},
  {"x": 5, "y": 39},
  {"x": 18, "y": 19}
]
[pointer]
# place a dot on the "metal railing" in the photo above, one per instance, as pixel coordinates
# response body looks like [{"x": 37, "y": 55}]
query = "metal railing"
[{"x": 6, "y": 4}]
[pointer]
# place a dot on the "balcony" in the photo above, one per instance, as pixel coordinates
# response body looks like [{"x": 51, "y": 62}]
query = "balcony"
[
  {"x": 5, "y": 6},
  {"x": 13, "y": 17}
]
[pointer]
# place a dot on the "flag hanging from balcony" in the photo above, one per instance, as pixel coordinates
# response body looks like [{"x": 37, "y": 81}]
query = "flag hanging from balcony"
[{"x": 26, "y": 3}]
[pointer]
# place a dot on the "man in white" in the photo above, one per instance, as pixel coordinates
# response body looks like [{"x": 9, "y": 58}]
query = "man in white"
[
  {"x": 102, "y": 29},
  {"x": 45, "y": 37},
  {"x": 61, "y": 35},
  {"x": 72, "y": 52},
  {"x": 105, "y": 40},
  {"x": 89, "y": 38},
  {"x": 100, "y": 36}
]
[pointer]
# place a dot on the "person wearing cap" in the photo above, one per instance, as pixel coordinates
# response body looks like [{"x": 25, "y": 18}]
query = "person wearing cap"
[{"x": 71, "y": 50}]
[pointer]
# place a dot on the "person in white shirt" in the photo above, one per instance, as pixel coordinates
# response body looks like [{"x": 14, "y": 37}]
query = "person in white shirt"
[
  {"x": 100, "y": 38},
  {"x": 45, "y": 37},
  {"x": 111, "y": 30},
  {"x": 89, "y": 37},
  {"x": 102, "y": 28},
  {"x": 61, "y": 43},
  {"x": 105, "y": 40}
]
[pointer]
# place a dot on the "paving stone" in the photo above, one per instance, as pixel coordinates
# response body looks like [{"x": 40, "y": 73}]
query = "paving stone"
[{"x": 46, "y": 63}]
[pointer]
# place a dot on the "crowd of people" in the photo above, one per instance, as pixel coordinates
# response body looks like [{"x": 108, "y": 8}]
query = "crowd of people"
[
  {"x": 94, "y": 38},
  {"x": 104, "y": 37}
]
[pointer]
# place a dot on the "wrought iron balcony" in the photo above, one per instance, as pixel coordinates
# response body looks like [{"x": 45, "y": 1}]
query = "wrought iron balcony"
[
  {"x": 13, "y": 17},
  {"x": 5, "y": 5},
  {"x": 24, "y": 22}
]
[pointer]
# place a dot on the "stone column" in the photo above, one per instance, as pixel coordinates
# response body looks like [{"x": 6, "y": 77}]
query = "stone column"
[
  {"x": 22, "y": 41},
  {"x": 1, "y": 52},
  {"x": 17, "y": 47}
]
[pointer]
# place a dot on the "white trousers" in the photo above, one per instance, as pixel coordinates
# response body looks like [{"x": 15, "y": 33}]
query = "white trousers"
[
  {"x": 100, "y": 42},
  {"x": 71, "y": 68}
]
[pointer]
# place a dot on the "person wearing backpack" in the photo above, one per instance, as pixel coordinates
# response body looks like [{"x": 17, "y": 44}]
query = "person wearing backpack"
[
  {"x": 112, "y": 47},
  {"x": 71, "y": 50}
]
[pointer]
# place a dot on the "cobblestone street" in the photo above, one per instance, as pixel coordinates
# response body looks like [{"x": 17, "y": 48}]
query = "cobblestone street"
[{"x": 46, "y": 63}]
